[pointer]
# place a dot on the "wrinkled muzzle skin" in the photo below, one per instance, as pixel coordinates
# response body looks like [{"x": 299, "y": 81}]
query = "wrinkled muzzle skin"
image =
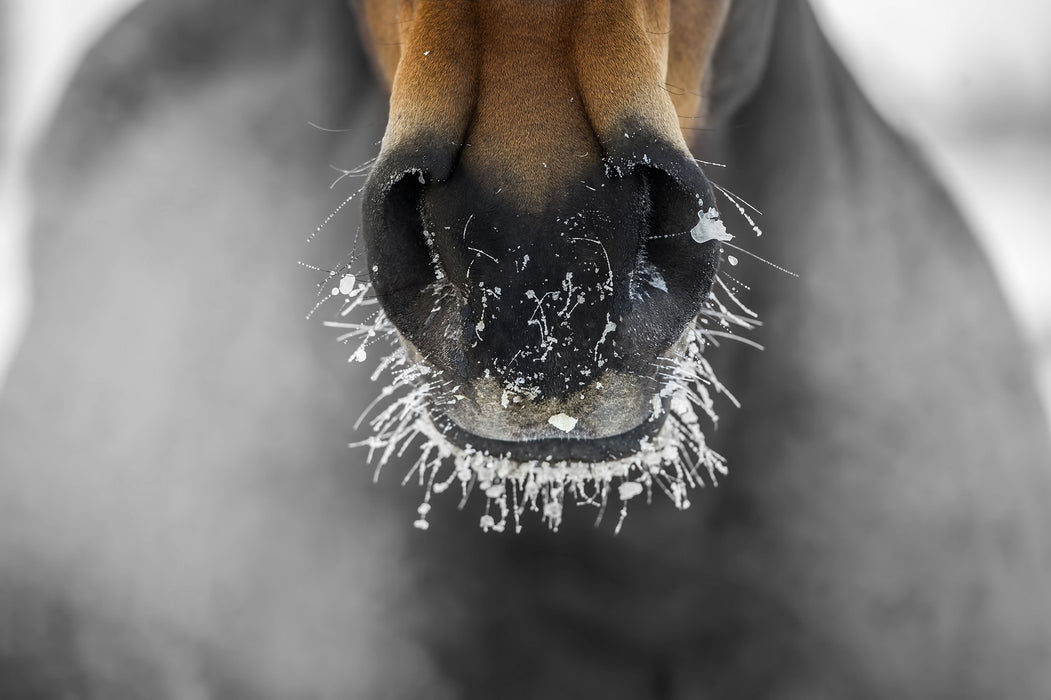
[{"x": 528, "y": 220}]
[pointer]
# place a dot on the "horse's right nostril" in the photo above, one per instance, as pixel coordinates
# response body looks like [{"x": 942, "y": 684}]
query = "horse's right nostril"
[{"x": 402, "y": 265}]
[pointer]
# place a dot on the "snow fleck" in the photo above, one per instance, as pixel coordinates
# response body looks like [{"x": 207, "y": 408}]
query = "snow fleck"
[
  {"x": 563, "y": 422},
  {"x": 709, "y": 227},
  {"x": 629, "y": 490}
]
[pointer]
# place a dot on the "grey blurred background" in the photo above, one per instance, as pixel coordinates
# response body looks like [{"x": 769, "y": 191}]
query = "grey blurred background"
[{"x": 969, "y": 81}]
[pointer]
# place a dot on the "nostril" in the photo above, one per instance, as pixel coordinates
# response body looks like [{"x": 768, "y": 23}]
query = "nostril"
[
  {"x": 673, "y": 272},
  {"x": 667, "y": 245},
  {"x": 401, "y": 261},
  {"x": 402, "y": 264},
  {"x": 668, "y": 254}
]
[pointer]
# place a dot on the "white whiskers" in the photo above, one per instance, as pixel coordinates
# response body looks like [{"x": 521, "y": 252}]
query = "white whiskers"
[{"x": 674, "y": 461}]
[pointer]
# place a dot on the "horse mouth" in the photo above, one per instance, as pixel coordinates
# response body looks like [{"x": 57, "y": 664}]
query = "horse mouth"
[
  {"x": 547, "y": 445},
  {"x": 624, "y": 436}
]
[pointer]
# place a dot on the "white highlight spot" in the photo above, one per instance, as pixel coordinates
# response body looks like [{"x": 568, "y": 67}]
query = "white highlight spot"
[
  {"x": 731, "y": 259},
  {"x": 709, "y": 227},
  {"x": 563, "y": 422},
  {"x": 346, "y": 284}
]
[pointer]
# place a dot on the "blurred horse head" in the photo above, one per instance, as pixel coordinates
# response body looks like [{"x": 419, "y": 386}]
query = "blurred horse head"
[{"x": 180, "y": 517}]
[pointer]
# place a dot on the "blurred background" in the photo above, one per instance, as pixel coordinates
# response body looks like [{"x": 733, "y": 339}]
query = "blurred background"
[{"x": 969, "y": 81}]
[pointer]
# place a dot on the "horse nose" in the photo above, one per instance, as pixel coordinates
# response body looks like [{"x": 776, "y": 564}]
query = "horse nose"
[
  {"x": 530, "y": 213},
  {"x": 548, "y": 292}
]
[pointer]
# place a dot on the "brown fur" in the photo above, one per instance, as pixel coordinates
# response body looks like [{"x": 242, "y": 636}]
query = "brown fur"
[{"x": 598, "y": 63}]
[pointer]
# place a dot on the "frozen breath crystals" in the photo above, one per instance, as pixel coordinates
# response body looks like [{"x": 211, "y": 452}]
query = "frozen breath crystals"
[{"x": 673, "y": 461}]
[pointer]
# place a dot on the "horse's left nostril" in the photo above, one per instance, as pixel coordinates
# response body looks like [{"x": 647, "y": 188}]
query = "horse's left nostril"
[
  {"x": 668, "y": 243},
  {"x": 673, "y": 271}
]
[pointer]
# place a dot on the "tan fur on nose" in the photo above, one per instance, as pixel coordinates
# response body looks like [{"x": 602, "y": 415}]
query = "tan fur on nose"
[{"x": 531, "y": 90}]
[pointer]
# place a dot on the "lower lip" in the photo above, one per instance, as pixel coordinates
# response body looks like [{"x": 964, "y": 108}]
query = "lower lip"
[{"x": 555, "y": 449}]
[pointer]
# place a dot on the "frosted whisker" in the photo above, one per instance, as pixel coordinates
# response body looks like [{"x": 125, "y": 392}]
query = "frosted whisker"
[
  {"x": 760, "y": 259},
  {"x": 325, "y": 222},
  {"x": 735, "y": 337}
]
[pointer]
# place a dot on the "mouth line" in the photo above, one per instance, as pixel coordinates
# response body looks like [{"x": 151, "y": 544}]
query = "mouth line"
[{"x": 556, "y": 449}]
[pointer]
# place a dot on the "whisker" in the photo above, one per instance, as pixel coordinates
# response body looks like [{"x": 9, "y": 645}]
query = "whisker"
[
  {"x": 732, "y": 198},
  {"x": 362, "y": 170},
  {"x": 332, "y": 215},
  {"x": 736, "y": 197},
  {"x": 738, "y": 338},
  {"x": 760, "y": 259}
]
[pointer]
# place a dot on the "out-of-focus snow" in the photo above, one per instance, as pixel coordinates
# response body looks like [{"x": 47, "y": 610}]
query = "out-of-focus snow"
[
  {"x": 971, "y": 82},
  {"x": 41, "y": 43},
  {"x": 942, "y": 65}
]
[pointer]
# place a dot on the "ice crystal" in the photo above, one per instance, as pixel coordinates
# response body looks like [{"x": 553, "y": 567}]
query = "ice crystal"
[{"x": 563, "y": 422}]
